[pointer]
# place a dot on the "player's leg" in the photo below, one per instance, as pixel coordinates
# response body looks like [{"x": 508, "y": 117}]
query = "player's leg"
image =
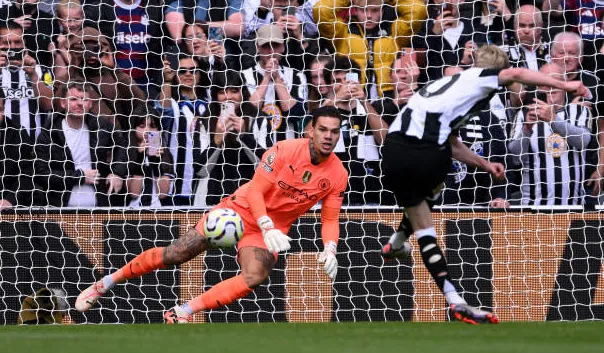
[
  {"x": 181, "y": 250},
  {"x": 398, "y": 245},
  {"x": 420, "y": 217},
  {"x": 256, "y": 264}
]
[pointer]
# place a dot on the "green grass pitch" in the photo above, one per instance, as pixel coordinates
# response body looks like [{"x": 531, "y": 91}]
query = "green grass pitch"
[{"x": 316, "y": 338}]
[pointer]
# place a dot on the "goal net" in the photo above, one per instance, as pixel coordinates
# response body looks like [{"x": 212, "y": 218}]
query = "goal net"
[{"x": 124, "y": 121}]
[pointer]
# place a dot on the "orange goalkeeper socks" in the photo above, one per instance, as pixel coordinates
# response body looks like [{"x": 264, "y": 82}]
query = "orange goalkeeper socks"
[
  {"x": 223, "y": 293},
  {"x": 149, "y": 260}
]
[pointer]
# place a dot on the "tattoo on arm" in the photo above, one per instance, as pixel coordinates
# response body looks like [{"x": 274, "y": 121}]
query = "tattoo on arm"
[{"x": 185, "y": 248}]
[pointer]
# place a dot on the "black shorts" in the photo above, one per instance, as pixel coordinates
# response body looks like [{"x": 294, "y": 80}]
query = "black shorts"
[{"x": 413, "y": 169}]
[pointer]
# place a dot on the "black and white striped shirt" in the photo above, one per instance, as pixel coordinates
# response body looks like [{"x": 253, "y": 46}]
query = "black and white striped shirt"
[
  {"x": 552, "y": 157},
  {"x": 284, "y": 123},
  {"x": 21, "y": 103},
  {"x": 445, "y": 105}
]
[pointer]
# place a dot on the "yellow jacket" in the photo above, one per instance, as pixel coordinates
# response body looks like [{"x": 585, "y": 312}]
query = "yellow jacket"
[{"x": 411, "y": 14}]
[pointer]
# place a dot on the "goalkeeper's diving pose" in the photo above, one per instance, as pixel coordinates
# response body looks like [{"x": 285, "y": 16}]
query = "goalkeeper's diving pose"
[
  {"x": 419, "y": 146},
  {"x": 292, "y": 176}
]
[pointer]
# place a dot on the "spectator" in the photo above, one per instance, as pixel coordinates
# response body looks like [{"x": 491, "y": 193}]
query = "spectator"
[
  {"x": 150, "y": 169},
  {"x": 181, "y": 102},
  {"x": 134, "y": 28},
  {"x": 317, "y": 89},
  {"x": 567, "y": 52},
  {"x": 70, "y": 16},
  {"x": 16, "y": 163},
  {"x": 38, "y": 26},
  {"x": 585, "y": 17},
  {"x": 279, "y": 12},
  {"x": 497, "y": 16},
  {"x": 114, "y": 94},
  {"x": 405, "y": 74},
  {"x": 225, "y": 14},
  {"x": 210, "y": 53},
  {"x": 366, "y": 29},
  {"x": 27, "y": 95},
  {"x": 234, "y": 150},
  {"x": 529, "y": 49},
  {"x": 485, "y": 136},
  {"x": 278, "y": 91},
  {"x": 80, "y": 159},
  {"x": 363, "y": 132},
  {"x": 447, "y": 38},
  {"x": 550, "y": 139}
]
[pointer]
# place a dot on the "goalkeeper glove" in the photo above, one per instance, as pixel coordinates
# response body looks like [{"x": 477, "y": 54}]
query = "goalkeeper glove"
[
  {"x": 328, "y": 256},
  {"x": 274, "y": 239}
]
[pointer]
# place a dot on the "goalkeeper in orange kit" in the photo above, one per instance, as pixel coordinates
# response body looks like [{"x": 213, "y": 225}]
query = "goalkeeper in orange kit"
[{"x": 293, "y": 176}]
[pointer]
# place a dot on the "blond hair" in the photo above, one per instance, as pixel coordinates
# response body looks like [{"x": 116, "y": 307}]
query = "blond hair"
[
  {"x": 491, "y": 57},
  {"x": 65, "y": 5}
]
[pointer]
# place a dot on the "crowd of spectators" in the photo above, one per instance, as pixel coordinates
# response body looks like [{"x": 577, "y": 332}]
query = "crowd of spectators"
[{"x": 151, "y": 103}]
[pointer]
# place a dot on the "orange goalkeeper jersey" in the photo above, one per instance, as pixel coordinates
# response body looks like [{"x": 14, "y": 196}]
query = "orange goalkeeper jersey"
[{"x": 297, "y": 184}]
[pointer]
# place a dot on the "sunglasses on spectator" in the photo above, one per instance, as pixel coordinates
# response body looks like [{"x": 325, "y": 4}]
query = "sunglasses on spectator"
[{"x": 185, "y": 70}]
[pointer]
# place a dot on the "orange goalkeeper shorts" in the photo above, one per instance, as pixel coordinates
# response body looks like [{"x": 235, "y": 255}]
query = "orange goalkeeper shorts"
[{"x": 252, "y": 235}]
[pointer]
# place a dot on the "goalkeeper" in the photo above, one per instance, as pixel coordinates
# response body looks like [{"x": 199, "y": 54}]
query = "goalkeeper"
[{"x": 293, "y": 176}]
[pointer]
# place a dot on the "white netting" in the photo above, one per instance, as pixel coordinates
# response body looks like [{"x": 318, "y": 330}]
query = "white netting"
[{"x": 123, "y": 120}]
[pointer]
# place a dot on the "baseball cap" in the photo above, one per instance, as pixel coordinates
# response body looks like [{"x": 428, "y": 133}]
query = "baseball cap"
[{"x": 269, "y": 34}]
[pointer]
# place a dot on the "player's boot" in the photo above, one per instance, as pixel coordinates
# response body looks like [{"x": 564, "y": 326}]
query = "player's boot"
[
  {"x": 177, "y": 315},
  {"x": 89, "y": 296},
  {"x": 389, "y": 252},
  {"x": 472, "y": 315}
]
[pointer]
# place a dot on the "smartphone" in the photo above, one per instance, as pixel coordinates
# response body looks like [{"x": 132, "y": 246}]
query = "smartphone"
[
  {"x": 352, "y": 77},
  {"x": 154, "y": 142},
  {"x": 216, "y": 34},
  {"x": 15, "y": 54},
  {"x": 226, "y": 109},
  {"x": 171, "y": 55},
  {"x": 491, "y": 6},
  {"x": 446, "y": 7},
  {"x": 291, "y": 11}
]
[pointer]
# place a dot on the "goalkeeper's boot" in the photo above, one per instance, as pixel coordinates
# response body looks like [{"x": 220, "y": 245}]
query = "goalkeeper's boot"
[
  {"x": 389, "y": 252},
  {"x": 177, "y": 315},
  {"x": 472, "y": 315},
  {"x": 89, "y": 296}
]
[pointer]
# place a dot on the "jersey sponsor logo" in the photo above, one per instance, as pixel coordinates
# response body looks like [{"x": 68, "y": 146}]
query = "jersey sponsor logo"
[
  {"x": 18, "y": 93},
  {"x": 306, "y": 176},
  {"x": 555, "y": 145},
  {"x": 132, "y": 38},
  {"x": 295, "y": 193},
  {"x": 324, "y": 184},
  {"x": 267, "y": 167}
]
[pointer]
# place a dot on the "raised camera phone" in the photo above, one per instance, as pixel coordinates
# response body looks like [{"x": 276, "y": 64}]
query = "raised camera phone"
[
  {"x": 226, "y": 109},
  {"x": 352, "y": 77},
  {"x": 16, "y": 55},
  {"x": 216, "y": 34},
  {"x": 291, "y": 11},
  {"x": 154, "y": 142},
  {"x": 172, "y": 56}
]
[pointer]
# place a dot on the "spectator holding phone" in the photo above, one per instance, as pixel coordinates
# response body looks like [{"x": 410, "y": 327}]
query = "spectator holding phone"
[
  {"x": 150, "y": 169},
  {"x": 497, "y": 17},
  {"x": 235, "y": 147},
  {"x": 448, "y": 38},
  {"x": 39, "y": 28},
  {"x": 362, "y": 134},
  {"x": 27, "y": 96},
  {"x": 549, "y": 144},
  {"x": 209, "y": 50},
  {"x": 278, "y": 91},
  {"x": 181, "y": 102},
  {"x": 70, "y": 16}
]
